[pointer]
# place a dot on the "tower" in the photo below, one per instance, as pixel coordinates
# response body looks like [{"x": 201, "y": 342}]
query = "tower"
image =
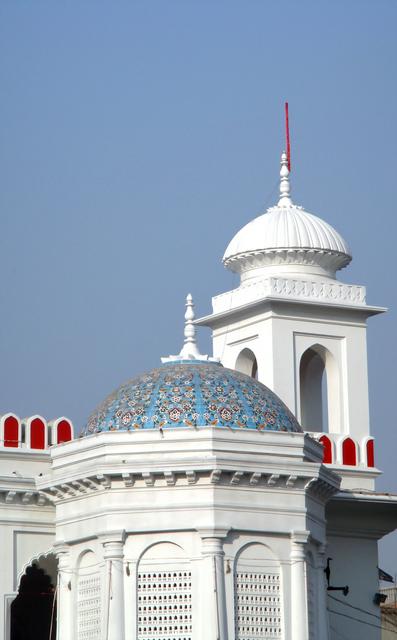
[{"x": 294, "y": 326}]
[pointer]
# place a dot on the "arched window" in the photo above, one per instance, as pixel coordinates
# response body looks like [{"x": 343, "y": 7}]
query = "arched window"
[
  {"x": 257, "y": 594},
  {"x": 349, "y": 452},
  {"x": 327, "y": 452},
  {"x": 247, "y": 363},
  {"x": 319, "y": 390},
  {"x": 164, "y": 585}
]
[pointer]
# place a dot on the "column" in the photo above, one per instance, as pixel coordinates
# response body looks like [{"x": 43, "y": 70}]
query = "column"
[
  {"x": 113, "y": 553},
  {"x": 130, "y": 594},
  {"x": 214, "y": 625},
  {"x": 323, "y": 625},
  {"x": 66, "y": 618},
  {"x": 299, "y": 625}
]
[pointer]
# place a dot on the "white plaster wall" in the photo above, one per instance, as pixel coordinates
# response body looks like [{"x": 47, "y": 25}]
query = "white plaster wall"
[
  {"x": 354, "y": 562},
  {"x": 278, "y": 338},
  {"x": 157, "y": 501},
  {"x": 27, "y": 531},
  {"x": 279, "y": 333},
  {"x": 24, "y": 538}
]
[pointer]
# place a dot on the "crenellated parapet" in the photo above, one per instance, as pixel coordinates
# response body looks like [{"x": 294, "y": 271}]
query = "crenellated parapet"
[
  {"x": 340, "y": 449},
  {"x": 34, "y": 433}
]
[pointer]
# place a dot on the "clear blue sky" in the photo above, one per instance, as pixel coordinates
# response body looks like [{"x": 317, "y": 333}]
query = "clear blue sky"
[{"x": 137, "y": 137}]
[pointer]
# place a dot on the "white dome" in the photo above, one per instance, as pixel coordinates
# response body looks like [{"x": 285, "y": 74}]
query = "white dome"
[{"x": 287, "y": 235}]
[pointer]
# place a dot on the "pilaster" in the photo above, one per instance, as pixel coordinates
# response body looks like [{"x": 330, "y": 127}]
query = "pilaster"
[
  {"x": 65, "y": 587},
  {"x": 323, "y": 626},
  {"x": 299, "y": 541},
  {"x": 214, "y": 623},
  {"x": 113, "y": 553}
]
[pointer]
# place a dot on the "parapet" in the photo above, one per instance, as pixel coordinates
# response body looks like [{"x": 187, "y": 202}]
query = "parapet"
[{"x": 34, "y": 433}]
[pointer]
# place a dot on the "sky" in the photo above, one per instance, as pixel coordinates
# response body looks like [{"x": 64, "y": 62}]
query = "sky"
[{"x": 137, "y": 137}]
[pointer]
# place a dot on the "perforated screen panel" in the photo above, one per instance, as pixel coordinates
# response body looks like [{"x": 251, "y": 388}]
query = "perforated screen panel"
[
  {"x": 89, "y": 607},
  {"x": 165, "y": 605},
  {"x": 258, "y": 606}
]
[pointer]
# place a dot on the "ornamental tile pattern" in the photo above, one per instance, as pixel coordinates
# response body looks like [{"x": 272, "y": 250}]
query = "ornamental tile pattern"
[{"x": 191, "y": 394}]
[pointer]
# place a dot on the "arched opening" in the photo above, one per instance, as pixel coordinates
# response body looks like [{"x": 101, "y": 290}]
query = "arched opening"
[
  {"x": 370, "y": 453},
  {"x": 165, "y": 587},
  {"x": 247, "y": 363},
  {"x": 327, "y": 451},
  {"x": 37, "y": 433},
  {"x": 349, "y": 452},
  {"x": 11, "y": 426},
  {"x": 64, "y": 431},
  {"x": 319, "y": 391},
  {"x": 258, "y": 593},
  {"x": 33, "y": 612}
]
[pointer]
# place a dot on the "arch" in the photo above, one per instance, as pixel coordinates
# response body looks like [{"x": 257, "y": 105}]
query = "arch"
[
  {"x": 164, "y": 582},
  {"x": 165, "y": 548},
  {"x": 319, "y": 390},
  {"x": 327, "y": 449},
  {"x": 64, "y": 431},
  {"x": 36, "y": 432},
  {"x": 61, "y": 430},
  {"x": 11, "y": 430},
  {"x": 247, "y": 363},
  {"x": 257, "y": 578},
  {"x": 249, "y": 549},
  {"x": 87, "y": 559},
  {"x": 349, "y": 452},
  {"x": 370, "y": 453},
  {"x": 46, "y": 560},
  {"x": 33, "y": 612}
]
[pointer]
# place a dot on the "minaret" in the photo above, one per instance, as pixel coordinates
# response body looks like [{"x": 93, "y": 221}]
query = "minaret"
[{"x": 299, "y": 330}]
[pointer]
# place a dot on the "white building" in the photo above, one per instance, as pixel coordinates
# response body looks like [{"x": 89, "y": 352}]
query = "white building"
[{"x": 194, "y": 506}]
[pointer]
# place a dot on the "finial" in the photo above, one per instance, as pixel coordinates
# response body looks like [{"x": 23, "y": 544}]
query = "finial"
[
  {"x": 285, "y": 199},
  {"x": 189, "y": 350}
]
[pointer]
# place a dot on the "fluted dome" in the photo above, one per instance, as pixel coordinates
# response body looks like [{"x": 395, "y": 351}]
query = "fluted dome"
[
  {"x": 192, "y": 394},
  {"x": 287, "y": 235}
]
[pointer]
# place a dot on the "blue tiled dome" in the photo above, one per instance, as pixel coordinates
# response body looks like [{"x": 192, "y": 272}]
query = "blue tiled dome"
[{"x": 191, "y": 394}]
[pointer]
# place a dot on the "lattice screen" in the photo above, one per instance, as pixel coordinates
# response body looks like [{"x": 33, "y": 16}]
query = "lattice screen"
[
  {"x": 89, "y": 607},
  {"x": 258, "y": 606},
  {"x": 164, "y": 605}
]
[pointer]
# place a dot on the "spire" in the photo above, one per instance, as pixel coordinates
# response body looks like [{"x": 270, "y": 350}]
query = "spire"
[
  {"x": 190, "y": 349},
  {"x": 285, "y": 199}
]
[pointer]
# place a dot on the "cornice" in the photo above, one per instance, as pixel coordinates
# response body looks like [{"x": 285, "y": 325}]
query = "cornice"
[
  {"x": 321, "y": 486},
  {"x": 264, "y": 303},
  {"x": 23, "y": 497}
]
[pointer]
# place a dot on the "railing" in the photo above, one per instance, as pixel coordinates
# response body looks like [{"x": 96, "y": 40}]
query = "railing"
[{"x": 337, "y": 292}]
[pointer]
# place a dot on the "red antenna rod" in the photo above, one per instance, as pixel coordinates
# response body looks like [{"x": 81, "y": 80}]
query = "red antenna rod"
[{"x": 287, "y": 136}]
